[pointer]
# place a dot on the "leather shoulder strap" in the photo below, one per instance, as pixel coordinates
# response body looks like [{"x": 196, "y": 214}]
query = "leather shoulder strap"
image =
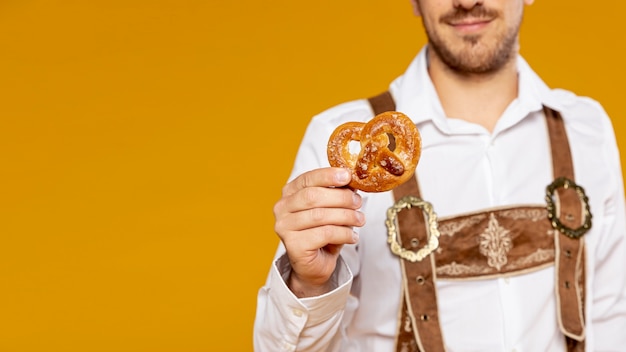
[
  {"x": 382, "y": 103},
  {"x": 419, "y": 328},
  {"x": 570, "y": 252},
  {"x": 562, "y": 164}
]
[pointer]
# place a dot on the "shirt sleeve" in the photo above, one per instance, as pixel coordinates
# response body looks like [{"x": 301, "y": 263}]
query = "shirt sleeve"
[
  {"x": 284, "y": 322},
  {"x": 608, "y": 314},
  {"x": 287, "y": 323}
]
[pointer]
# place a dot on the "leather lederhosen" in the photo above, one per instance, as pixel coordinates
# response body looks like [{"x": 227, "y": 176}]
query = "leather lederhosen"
[{"x": 494, "y": 243}]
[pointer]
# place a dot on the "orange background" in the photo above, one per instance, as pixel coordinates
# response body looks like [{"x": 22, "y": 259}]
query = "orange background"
[{"x": 136, "y": 193}]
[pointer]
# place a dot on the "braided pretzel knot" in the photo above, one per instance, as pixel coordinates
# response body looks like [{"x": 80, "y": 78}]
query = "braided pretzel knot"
[{"x": 390, "y": 149}]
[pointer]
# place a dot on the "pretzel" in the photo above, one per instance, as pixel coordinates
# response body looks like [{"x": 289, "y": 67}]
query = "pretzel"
[{"x": 390, "y": 147}]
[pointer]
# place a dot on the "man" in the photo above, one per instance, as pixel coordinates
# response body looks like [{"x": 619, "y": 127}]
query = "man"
[{"x": 489, "y": 152}]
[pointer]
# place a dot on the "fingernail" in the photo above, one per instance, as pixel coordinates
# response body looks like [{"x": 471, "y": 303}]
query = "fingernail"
[
  {"x": 356, "y": 199},
  {"x": 360, "y": 216},
  {"x": 355, "y": 236}
]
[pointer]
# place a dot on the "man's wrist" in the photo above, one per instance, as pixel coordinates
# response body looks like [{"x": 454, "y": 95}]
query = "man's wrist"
[{"x": 303, "y": 290}]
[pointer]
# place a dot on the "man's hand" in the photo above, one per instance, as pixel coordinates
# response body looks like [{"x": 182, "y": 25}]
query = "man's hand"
[{"x": 314, "y": 219}]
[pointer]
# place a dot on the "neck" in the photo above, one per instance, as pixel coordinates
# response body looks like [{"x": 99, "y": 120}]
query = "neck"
[{"x": 477, "y": 98}]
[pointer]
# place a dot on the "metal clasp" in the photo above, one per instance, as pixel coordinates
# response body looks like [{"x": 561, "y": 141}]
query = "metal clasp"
[
  {"x": 554, "y": 219},
  {"x": 431, "y": 229}
]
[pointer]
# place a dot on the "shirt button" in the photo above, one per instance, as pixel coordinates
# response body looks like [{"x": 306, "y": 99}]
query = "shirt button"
[
  {"x": 508, "y": 281},
  {"x": 288, "y": 347},
  {"x": 297, "y": 312}
]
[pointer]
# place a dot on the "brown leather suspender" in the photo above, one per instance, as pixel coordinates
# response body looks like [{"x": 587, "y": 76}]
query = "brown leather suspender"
[
  {"x": 419, "y": 327},
  {"x": 570, "y": 256}
]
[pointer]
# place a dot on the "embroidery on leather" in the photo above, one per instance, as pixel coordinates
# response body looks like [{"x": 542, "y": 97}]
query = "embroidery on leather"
[
  {"x": 529, "y": 214},
  {"x": 495, "y": 243},
  {"x": 407, "y": 324},
  {"x": 539, "y": 256},
  {"x": 409, "y": 347},
  {"x": 455, "y": 269},
  {"x": 531, "y": 262},
  {"x": 450, "y": 228}
]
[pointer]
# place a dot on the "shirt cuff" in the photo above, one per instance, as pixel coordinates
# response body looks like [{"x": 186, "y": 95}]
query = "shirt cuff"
[{"x": 311, "y": 310}]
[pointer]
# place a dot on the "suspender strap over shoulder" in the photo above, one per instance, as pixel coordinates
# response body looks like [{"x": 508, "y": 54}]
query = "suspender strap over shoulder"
[
  {"x": 573, "y": 210},
  {"x": 382, "y": 102},
  {"x": 419, "y": 326}
]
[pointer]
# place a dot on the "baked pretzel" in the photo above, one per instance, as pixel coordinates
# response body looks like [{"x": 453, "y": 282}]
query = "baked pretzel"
[{"x": 390, "y": 149}]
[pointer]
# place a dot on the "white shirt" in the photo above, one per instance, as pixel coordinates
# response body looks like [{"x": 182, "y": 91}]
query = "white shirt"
[{"x": 464, "y": 168}]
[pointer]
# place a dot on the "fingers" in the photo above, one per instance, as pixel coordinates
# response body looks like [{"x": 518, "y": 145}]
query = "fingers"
[
  {"x": 326, "y": 177},
  {"x": 320, "y": 197},
  {"x": 313, "y": 207},
  {"x": 316, "y": 211},
  {"x": 306, "y": 243},
  {"x": 318, "y": 217}
]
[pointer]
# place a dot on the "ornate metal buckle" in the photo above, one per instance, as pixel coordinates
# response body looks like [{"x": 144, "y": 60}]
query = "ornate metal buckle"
[
  {"x": 556, "y": 222},
  {"x": 432, "y": 231}
]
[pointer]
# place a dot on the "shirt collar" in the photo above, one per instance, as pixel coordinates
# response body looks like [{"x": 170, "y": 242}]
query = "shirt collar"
[{"x": 415, "y": 95}]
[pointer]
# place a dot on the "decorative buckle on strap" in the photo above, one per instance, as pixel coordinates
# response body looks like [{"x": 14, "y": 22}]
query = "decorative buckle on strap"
[
  {"x": 554, "y": 219},
  {"x": 432, "y": 231}
]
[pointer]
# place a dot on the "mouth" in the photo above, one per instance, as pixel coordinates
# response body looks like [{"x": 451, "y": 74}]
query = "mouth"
[
  {"x": 470, "y": 25},
  {"x": 469, "y": 21}
]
